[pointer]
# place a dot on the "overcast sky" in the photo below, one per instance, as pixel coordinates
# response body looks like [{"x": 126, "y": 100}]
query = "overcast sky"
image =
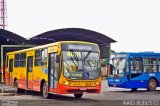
[{"x": 134, "y": 24}]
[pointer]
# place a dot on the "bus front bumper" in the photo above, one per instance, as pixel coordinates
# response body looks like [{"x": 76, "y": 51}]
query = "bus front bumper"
[
  {"x": 63, "y": 89},
  {"x": 117, "y": 82}
]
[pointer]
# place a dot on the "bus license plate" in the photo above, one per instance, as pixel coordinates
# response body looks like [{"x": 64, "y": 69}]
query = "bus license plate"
[
  {"x": 90, "y": 84},
  {"x": 77, "y": 84}
]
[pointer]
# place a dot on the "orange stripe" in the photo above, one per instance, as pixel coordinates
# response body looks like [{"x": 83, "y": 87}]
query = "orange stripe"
[
  {"x": 22, "y": 84},
  {"x": 36, "y": 85},
  {"x": 30, "y": 84},
  {"x": 54, "y": 90}
]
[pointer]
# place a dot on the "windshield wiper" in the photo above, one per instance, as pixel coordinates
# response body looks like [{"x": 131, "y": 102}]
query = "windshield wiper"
[
  {"x": 88, "y": 61},
  {"x": 89, "y": 52},
  {"x": 75, "y": 55}
]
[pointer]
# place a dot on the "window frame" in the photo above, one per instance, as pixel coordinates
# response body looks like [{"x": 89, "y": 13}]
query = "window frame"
[
  {"x": 23, "y": 59},
  {"x": 37, "y": 58},
  {"x": 17, "y": 60},
  {"x": 151, "y": 67},
  {"x": 44, "y": 58}
]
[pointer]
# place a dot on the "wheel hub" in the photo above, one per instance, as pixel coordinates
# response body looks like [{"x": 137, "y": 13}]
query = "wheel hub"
[{"x": 153, "y": 84}]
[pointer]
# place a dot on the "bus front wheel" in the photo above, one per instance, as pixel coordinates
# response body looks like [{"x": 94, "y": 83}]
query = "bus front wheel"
[
  {"x": 78, "y": 95},
  {"x": 45, "y": 93},
  {"x": 152, "y": 85}
]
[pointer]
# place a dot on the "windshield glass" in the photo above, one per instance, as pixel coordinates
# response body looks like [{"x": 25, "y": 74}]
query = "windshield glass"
[
  {"x": 118, "y": 66},
  {"x": 81, "y": 65}
]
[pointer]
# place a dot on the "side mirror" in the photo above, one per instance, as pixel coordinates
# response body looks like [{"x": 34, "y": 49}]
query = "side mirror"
[{"x": 57, "y": 59}]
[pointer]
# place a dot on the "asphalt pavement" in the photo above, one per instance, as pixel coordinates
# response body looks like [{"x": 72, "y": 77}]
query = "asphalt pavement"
[{"x": 109, "y": 96}]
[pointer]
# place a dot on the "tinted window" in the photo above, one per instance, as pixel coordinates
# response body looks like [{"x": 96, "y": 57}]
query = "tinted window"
[
  {"x": 37, "y": 58},
  {"x": 23, "y": 60},
  {"x": 30, "y": 64},
  {"x": 150, "y": 64},
  {"x": 10, "y": 65},
  {"x": 17, "y": 60},
  {"x": 44, "y": 57},
  {"x": 41, "y": 57}
]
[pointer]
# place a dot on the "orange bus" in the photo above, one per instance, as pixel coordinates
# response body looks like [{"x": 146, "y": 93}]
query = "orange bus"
[{"x": 65, "y": 67}]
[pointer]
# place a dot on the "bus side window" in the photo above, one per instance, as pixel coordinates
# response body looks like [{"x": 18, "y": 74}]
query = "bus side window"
[
  {"x": 16, "y": 60},
  {"x": 37, "y": 58},
  {"x": 150, "y": 64},
  {"x": 137, "y": 65},
  {"x": 23, "y": 60},
  {"x": 154, "y": 64},
  {"x": 43, "y": 57},
  {"x": 133, "y": 65}
]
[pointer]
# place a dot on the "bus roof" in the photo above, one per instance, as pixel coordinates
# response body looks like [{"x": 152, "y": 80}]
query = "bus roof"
[
  {"x": 139, "y": 54},
  {"x": 51, "y": 44}
]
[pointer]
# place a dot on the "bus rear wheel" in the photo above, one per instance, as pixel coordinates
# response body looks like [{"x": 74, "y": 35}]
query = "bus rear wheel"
[
  {"x": 45, "y": 93},
  {"x": 152, "y": 85},
  {"x": 78, "y": 95}
]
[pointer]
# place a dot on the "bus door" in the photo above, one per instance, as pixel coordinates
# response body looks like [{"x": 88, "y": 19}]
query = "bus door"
[
  {"x": 10, "y": 71},
  {"x": 52, "y": 73},
  {"x": 136, "y": 67},
  {"x": 29, "y": 72}
]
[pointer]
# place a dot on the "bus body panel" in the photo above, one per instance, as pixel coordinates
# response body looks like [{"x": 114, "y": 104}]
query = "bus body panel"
[
  {"x": 33, "y": 80},
  {"x": 63, "y": 89},
  {"x": 140, "y": 81},
  {"x": 124, "y": 83}
]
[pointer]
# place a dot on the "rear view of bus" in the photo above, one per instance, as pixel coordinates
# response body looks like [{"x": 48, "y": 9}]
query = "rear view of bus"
[{"x": 135, "y": 70}]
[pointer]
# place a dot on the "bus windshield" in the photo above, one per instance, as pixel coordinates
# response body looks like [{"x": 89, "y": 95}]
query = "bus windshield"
[
  {"x": 81, "y": 64},
  {"x": 118, "y": 66}
]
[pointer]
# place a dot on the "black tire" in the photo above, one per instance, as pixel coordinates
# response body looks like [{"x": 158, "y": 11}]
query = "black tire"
[
  {"x": 134, "y": 89},
  {"x": 78, "y": 95},
  {"x": 45, "y": 93},
  {"x": 152, "y": 85},
  {"x": 21, "y": 91}
]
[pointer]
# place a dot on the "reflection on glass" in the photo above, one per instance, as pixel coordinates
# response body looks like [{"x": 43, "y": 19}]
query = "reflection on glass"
[
  {"x": 81, "y": 65},
  {"x": 118, "y": 65}
]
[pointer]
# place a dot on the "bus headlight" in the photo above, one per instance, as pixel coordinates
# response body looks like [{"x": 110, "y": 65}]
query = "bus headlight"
[
  {"x": 67, "y": 83},
  {"x": 97, "y": 83}
]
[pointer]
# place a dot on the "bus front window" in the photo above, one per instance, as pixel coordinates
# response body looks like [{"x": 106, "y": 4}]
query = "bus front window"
[
  {"x": 81, "y": 65},
  {"x": 118, "y": 65}
]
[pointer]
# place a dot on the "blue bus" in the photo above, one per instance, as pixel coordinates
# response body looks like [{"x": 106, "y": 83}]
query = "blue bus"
[{"x": 135, "y": 70}]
